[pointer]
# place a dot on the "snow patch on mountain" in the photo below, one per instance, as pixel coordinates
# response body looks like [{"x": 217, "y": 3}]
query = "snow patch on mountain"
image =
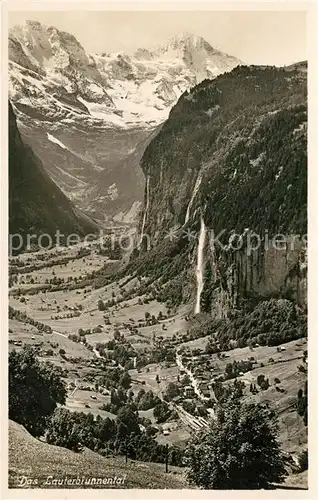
[
  {"x": 50, "y": 71},
  {"x": 112, "y": 192},
  {"x": 145, "y": 85},
  {"x": 56, "y": 141}
]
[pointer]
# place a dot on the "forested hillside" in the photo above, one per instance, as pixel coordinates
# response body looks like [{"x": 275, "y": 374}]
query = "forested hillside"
[
  {"x": 232, "y": 154},
  {"x": 36, "y": 204}
]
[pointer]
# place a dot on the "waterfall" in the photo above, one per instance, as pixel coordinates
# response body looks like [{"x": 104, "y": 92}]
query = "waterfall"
[
  {"x": 195, "y": 190},
  {"x": 200, "y": 266},
  {"x": 145, "y": 211}
]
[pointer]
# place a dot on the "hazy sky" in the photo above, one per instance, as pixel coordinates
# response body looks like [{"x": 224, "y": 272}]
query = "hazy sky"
[{"x": 276, "y": 37}]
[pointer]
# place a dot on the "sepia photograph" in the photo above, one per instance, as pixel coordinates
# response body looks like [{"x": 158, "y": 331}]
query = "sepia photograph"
[{"x": 157, "y": 248}]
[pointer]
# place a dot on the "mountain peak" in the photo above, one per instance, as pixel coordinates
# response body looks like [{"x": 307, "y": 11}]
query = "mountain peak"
[
  {"x": 188, "y": 38},
  {"x": 35, "y": 33},
  {"x": 32, "y": 23},
  {"x": 186, "y": 42}
]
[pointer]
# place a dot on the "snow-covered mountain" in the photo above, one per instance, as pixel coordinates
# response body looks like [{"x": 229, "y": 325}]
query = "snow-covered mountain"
[
  {"x": 144, "y": 86},
  {"x": 88, "y": 117},
  {"x": 50, "y": 71}
]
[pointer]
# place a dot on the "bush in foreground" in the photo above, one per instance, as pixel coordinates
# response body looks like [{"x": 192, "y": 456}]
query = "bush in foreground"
[
  {"x": 303, "y": 461},
  {"x": 239, "y": 450},
  {"x": 35, "y": 389}
]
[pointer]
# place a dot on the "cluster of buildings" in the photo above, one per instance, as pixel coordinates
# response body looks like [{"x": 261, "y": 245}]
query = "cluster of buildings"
[{"x": 200, "y": 380}]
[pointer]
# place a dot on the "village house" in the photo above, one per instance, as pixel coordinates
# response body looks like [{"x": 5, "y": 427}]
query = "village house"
[
  {"x": 189, "y": 391},
  {"x": 204, "y": 389}
]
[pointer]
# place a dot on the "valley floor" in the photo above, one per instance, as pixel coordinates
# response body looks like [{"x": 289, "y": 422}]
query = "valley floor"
[{"x": 66, "y": 311}]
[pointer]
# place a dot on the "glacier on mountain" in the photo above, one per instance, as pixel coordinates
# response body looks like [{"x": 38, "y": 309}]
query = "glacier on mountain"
[
  {"x": 101, "y": 107},
  {"x": 121, "y": 89}
]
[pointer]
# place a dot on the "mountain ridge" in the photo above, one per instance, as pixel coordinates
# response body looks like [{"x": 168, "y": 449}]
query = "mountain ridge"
[
  {"x": 233, "y": 154},
  {"x": 36, "y": 204},
  {"x": 101, "y": 107}
]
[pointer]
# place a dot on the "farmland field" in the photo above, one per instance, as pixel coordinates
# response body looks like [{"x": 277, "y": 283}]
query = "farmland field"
[{"x": 146, "y": 326}]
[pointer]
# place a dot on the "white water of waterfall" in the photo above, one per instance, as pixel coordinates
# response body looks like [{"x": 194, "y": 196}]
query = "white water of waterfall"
[
  {"x": 200, "y": 266},
  {"x": 145, "y": 211},
  {"x": 195, "y": 190}
]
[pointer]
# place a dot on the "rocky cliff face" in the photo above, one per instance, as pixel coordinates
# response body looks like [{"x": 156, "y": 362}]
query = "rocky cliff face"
[
  {"x": 234, "y": 152},
  {"x": 233, "y": 277},
  {"x": 89, "y": 116},
  {"x": 61, "y": 61}
]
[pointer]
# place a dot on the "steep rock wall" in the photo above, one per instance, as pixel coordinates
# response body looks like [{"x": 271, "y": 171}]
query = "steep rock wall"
[{"x": 245, "y": 135}]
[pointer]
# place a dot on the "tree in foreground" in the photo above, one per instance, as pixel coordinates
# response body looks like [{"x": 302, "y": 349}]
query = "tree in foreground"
[
  {"x": 35, "y": 389},
  {"x": 240, "y": 449},
  {"x": 161, "y": 412},
  {"x": 63, "y": 431}
]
